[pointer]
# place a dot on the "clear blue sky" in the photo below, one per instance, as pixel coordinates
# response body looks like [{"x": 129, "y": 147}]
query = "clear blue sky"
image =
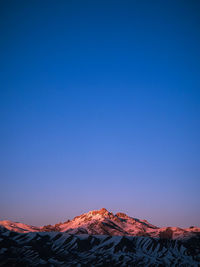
[{"x": 99, "y": 106}]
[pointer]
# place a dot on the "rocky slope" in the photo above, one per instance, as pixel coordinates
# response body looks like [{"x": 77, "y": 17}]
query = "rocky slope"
[
  {"x": 62, "y": 249},
  {"x": 18, "y": 227}
]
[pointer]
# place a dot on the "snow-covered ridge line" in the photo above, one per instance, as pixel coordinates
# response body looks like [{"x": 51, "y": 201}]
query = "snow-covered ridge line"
[
  {"x": 103, "y": 222},
  {"x": 62, "y": 249}
]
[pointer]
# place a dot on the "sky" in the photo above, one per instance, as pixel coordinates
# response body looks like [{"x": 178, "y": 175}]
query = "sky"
[{"x": 99, "y": 107}]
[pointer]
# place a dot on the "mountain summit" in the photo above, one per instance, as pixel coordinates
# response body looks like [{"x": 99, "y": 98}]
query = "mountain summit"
[{"x": 104, "y": 222}]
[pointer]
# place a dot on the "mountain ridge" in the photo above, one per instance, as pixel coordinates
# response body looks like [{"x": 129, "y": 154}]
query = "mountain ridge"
[
  {"x": 62, "y": 249},
  {"x": 103, "y": 222}
]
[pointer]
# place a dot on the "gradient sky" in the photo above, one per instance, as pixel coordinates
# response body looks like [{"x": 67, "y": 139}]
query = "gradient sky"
[{"x": 99, "y": 106}]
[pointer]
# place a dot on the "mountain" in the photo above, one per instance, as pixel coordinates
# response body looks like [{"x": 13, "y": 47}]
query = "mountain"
[
  {"x": 98, "y": 238},
  {"x": 103, "y": 222},
  {"x": 61, "y": 249}
]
